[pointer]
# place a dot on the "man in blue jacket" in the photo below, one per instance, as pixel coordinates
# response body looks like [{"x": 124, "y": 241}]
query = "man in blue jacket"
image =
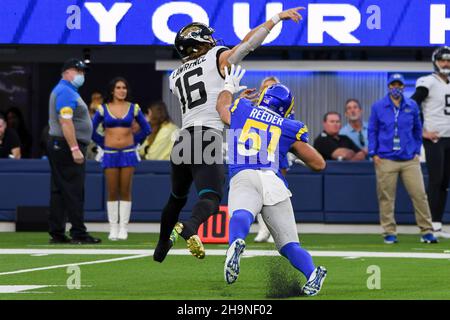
[{"x": 395, "y": 139}]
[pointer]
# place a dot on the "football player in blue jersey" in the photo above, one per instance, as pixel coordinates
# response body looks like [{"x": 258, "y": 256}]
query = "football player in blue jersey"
[
  {"x": 258, "y": 138},
  {"x": 263, "y": 234}
]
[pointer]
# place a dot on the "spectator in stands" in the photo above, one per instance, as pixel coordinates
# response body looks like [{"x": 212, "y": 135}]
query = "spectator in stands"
[
  {"x": 9, "y": 140},
  {"x": 16, "y": 121},
  {"x": 356, "y": 128},
  {"x": 159, "y": 143},
  {"x": 120, "y": 154},
  {"x": 93, "y": 150},
  {"x": 333, "y": 146},
  {"x": 96, "y": 100},
  {"x": 395, "y": 138}
]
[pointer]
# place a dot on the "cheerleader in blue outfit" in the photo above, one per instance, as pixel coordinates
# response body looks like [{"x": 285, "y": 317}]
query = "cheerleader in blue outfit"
[{"x": 120, "y": 152}]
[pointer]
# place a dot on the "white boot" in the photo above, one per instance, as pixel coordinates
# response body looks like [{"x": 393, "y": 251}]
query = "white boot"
[
  {"x": 113, "y": 218},
  {"x": 263, "y": 233},
  {"x": 124, "y": 212}
]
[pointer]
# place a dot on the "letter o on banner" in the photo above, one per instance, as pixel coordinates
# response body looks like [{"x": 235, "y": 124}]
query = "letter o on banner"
[
  {"x": 163, "y": 13},
  {"x": 215, "y": 229}
]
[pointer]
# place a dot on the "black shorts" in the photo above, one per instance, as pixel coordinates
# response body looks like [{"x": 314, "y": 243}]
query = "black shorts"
[{"x": 197, "y": 157}]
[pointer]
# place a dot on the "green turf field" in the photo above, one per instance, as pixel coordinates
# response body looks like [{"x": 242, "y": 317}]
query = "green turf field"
[{"x": 132, "y": 274}]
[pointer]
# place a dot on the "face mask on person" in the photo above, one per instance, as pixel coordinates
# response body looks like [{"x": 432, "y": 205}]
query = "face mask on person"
[
  {"x": 396, "y": 93},
  {"x": 78, "y": 81}
]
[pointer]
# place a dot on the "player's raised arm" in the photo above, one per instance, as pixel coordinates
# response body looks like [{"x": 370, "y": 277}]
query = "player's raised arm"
[
  {"x": 256, "y": 37},
  {"x": 231, "y": 86}
]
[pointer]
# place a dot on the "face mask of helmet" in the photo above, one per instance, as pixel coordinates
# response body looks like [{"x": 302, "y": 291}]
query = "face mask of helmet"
[{"x": 442, "y": 53}]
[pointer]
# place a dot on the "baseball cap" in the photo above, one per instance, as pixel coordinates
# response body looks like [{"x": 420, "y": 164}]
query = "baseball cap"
[
  {"x": 74, "y": 63},
  {"x": 396, "y": 77}
]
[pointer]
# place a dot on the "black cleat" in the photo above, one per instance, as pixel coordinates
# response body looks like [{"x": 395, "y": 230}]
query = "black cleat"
[
  {"x": 59, "y": 240},
  {"x": 86, "y": 240},
  {"x": 161, "y": 250}
]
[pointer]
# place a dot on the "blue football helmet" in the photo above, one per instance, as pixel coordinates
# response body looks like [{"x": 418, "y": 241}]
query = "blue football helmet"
[{"x": 277, "y": 98}]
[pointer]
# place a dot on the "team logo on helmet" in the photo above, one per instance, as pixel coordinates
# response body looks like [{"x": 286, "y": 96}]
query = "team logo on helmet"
[
  {"x": 191, "y": 36},
  {"x": 442, "y": 53},
  {"x": 277, "y": 98}
]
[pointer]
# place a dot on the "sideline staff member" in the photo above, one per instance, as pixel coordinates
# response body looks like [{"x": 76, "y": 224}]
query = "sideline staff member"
[
  {"x": 69, "y": 135},
  {"x": 395, "y": 139}
]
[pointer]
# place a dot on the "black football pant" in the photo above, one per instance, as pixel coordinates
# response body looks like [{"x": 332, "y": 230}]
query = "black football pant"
[
  {"x": 438, "y": 164},
  {"x": 67, "y": 189},
  {"x": 208, "y": 179}
]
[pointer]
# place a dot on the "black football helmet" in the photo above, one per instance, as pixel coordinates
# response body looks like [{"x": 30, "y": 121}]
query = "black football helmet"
[
  {"x": 442, "y": 53},
  {"x": 192, "y": 35}
]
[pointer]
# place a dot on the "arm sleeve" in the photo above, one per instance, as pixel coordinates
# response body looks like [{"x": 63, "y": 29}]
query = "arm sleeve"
[
  {"x": 96, "y": 121},
  {"x": 372, "y": 132},
  {"x": 420, "y": 95},
  {"x": 245, "y": 48},
  {"x": 66, "y": 102},
  {"x": 140, "y": 136},
  {"x": 417, "y": 130}
]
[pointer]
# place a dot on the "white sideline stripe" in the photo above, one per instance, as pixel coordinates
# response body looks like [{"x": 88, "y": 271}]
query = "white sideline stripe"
[
  {"x": 221, "y": 252},
  {"x": 19, "y": 289},
  {"x": 73, "y": 264}
]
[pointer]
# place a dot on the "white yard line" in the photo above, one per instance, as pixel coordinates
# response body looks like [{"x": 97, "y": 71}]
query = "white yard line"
[
  {"x": 221, "y": 252},
  {"x": 73, "y": 264},
  {"x": 136, "y": 254}
]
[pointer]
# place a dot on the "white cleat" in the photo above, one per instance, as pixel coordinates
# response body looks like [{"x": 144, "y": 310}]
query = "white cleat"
[
  {"x": 314, "y": 284},
  {"x": 232, "y": 262}
]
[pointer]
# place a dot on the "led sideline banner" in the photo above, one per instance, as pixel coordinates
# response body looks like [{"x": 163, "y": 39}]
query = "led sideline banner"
[{"x": 406, "y": 23}]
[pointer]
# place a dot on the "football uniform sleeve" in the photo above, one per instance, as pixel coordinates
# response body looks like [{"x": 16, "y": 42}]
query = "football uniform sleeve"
[
  {"x": 66, "y": 103},
  {"x": 234, "y": 106},
  {"x": 425, "y": 82},
  {"x": 215, "y": 53},
  {"x": 298, "y": 130}
]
